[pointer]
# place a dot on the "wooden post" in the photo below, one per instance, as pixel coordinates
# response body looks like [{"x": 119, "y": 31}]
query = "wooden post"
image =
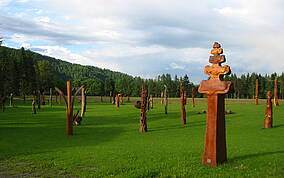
[
  {"x": 83, "y": 101},
  {"x": 33, "y": 106},
  {"x": 56, "y": 98},
  {"x": 143, "y": 118},
  {"x": 110, "y": 96},
  {"x": 183, "y": 103},
  {"x": 38, "y": 99},
  {"x": 117, "y": 101},
  {"x": 162, "y": 97},
  {"x": 69, "y": 100},
  {"x": 268, "y": 112},
  {"x": 166, "y": 99},
  {"x": 151, "y": 102},
  {"x": 101, "y": 98},
  {"x": 50, "y": 97},
  {"x": 215, "y": 151},
  {"x": 192, "y": 96},
  {"x": 256, "y": 91},
  {"x": 276, "y": 103},
  {"x": 69, "y": 114}
]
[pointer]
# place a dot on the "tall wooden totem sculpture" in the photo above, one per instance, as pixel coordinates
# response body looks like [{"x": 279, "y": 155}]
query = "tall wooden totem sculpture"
[
  {"x": 256, "y": 91},
  {"x": 117, "y": 100},
  {"x": 275, "y": 100},
  {"x": 215, "y": 151},
  {"x": 143, "y": 108},
  {"x": 268, "y": 113},
  {"x": 69, "y": 100},
  {"x": 183, "y": 103}
]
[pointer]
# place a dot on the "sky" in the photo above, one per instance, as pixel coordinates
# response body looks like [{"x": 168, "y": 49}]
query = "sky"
[{"x": 148, "y": 38}]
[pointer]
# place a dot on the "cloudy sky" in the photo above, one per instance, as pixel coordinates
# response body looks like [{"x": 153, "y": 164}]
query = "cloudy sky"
[{"x": 150, "y": 37}]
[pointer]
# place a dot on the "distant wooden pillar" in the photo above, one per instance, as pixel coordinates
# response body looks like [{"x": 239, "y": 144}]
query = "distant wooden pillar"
[
  {"x": 117, "y": 101},
  {"x": 69, "y": 126},
  {"x": 83, "y": 102},
  {"x": 183, "y": 103},
  {"x": 143, "y": 118},
  {"x": 268, "y": 112},
  {"x": 33, "y": 106},
  {"x": 110, "y": 96},
  {"x": 256, "y": 91},
  {"x": 151, "y": 102},
  {"x": 50, "y": 97},
  {"x": 166, "y": 99},
  {"x": 215, "y": 151},
  {"x": 193, "y": 97},
  {"x": 101, "y": 98},
  {"x": 162, "y": 97},
  {"x": 276, "y": 103}
]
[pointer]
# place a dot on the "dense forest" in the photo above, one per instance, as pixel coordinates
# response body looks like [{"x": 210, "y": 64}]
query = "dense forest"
[{"x": 23, "y": 72}]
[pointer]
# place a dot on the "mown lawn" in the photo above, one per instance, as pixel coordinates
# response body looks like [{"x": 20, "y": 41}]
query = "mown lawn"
[{"x": 108, "y": 143}]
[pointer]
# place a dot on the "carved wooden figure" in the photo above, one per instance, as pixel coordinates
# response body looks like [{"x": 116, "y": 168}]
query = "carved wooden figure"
[
  {"x": 183, "y": 103},
  {"x": 193, "y": 97},
  {"x": 215, "y": 141},
  {"x": 256, "y": 91},
  {"x": 117, "y": 101},
  {"x": 268, "y": 113},
  {"x": 69, "y": 100},
  {"x": 275, "y": 100},
  {"x": 143, "y": 107},
  {"x": 165, "y": 93}
]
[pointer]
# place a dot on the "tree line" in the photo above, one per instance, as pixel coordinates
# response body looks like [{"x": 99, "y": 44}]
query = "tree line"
[{"x": 23, "y": 72}]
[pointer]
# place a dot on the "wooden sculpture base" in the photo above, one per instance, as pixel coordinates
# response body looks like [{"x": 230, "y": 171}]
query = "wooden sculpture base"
[
  {"x": 267, "y": 123},
  {"x": 215, "y": 151}
]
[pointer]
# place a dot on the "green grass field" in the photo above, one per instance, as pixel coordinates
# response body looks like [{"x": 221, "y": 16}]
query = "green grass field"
[{"x": 108, "y": 143}]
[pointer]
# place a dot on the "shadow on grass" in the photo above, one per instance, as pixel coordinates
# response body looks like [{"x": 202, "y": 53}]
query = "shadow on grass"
[
  {"x": 254, "y": 155},
  {"x": 34, "y": 140},
  {"x": 280, "y": 125}
]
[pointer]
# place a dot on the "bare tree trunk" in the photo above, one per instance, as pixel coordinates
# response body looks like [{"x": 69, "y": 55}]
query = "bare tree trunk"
[{"x": 143, "y": 118}]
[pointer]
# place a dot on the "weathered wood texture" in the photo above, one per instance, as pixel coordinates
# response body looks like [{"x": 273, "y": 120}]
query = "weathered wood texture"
[
  {"x": 143, "y": 107},
  {"x": 215, "y": 151},
  {"x": 268, "y": 112},
  {"x": 183, "y": 103}
]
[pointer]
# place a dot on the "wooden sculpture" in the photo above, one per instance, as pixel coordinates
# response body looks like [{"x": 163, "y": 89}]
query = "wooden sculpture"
[
  {"x": 69, "y": 100},
  {"x": 34, "y": 106},
  {"x": 215, "y": 141},
  {"x": 268, "y": 113},
  {"x": 165, "y": 94},
  {"x": 275, "y": 100},
  {"x": 183, "y": 103},
  {"x": 117, "y": 101},
  {"x": 143, "y": 107},
  {"x": 151, "y": 101},
  {"x": 192, "y": 96},
  {"x": 50, "y": 97},
  {"x": 162, "y": 97},
  {"x": 256, "y": 91},
  {"x": 83, "y": 102}
]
